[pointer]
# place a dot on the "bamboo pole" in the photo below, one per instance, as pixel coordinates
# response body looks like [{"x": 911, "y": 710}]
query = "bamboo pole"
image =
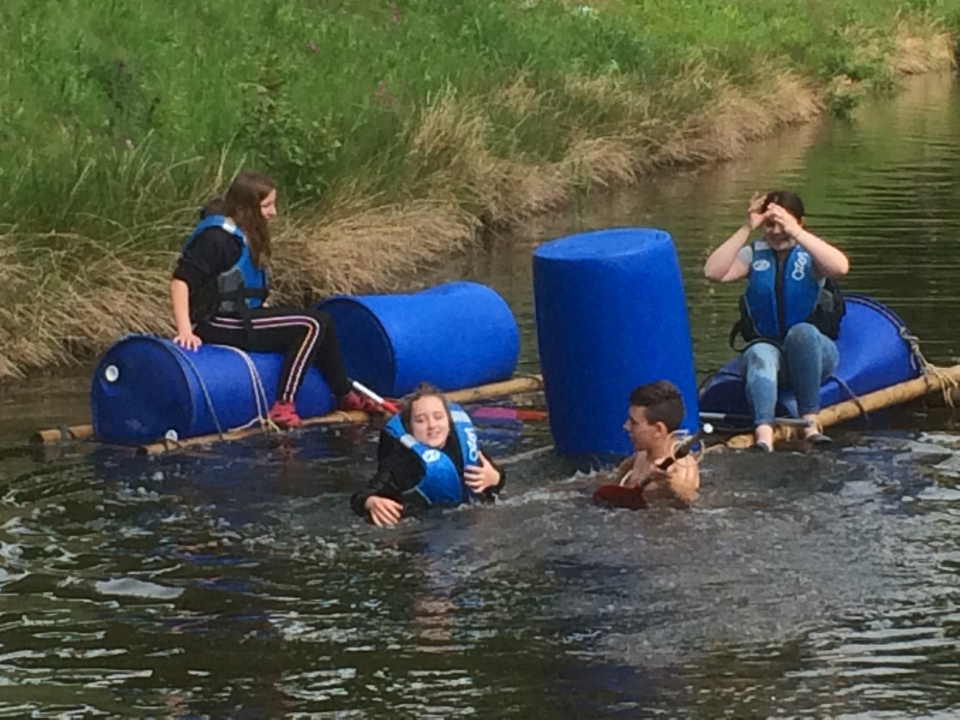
[
  {"x": 932, "y": 382},
  {"x": 527, "y": 383},
  {"x": 346, "y": 417},
  {"x": 513, "y": 386},
  {"x": 523, "y": 383},
  {"x": 64, "y": 432}
]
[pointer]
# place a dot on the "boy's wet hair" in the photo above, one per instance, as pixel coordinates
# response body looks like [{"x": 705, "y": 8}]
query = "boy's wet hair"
[
  {"x": 789, "y": 201},
  {"x": 661, "y": 402}
]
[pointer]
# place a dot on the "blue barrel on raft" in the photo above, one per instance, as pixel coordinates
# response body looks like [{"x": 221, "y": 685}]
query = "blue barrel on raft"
[
  {"x": 873, "y": 355},
  {"x": 611, "y": 315},
  {"x": 455, "y": 335},
  {"x": 144, "y": 387}
]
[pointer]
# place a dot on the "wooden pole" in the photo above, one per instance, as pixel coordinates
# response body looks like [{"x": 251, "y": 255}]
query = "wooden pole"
[
  {"x": 346, "y": 417},
  {"x": 520, "y": 384},
  {"x": 515, "y": 385},
  {"x": 849, "y": 409},
  {"x": 64, "y": 432}
]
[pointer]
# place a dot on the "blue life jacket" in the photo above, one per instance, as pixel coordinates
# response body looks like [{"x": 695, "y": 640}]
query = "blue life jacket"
[
  {"x": 441, "y": 483},
  {"x": 243, "y": 286},
  {"x": 781, "y": 296}
]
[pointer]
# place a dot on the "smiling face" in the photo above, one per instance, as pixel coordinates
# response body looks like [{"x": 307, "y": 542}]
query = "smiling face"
[{"x": 429, "y": 421}]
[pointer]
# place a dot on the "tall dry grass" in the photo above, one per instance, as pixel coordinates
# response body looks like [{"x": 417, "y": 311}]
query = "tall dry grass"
[{"x": 466, "y": 161}]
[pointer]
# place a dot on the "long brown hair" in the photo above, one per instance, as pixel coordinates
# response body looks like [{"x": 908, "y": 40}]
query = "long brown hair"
[{"x": 242, "y": 204}]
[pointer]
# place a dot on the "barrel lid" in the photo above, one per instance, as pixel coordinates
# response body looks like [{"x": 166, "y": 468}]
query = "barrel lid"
[
  {"x": 139, "y": 391},
  {"x": 603, "y": 244},
  {"x": 365, "y": 344}
]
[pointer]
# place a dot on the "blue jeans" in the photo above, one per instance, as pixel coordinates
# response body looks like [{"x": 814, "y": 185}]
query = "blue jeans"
[{"x": 806, "y": 359}]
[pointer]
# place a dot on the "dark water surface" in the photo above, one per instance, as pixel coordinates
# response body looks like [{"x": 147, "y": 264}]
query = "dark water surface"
[{"x": 234, "y": 581}]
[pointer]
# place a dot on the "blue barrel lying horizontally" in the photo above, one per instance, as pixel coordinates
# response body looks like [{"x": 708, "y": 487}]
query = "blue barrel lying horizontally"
[
  {"x": 611, "y": 315},
  {"x": 455, "y": 335},
  {"x": 145, "y": 386},
  {"x": 873, "y": 356}
]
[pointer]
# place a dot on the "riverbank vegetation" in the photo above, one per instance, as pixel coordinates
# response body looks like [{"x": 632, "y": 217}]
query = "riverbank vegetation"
[{"x": 396, "y": 130}]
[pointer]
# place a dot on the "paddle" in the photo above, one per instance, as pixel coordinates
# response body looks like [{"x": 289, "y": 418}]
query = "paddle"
[
  {"x": 732, "y": 418},
  {"x": 387, "y": 405},
  {"x": 508, "y": 413},
  {"x": 631, "y": 498}
]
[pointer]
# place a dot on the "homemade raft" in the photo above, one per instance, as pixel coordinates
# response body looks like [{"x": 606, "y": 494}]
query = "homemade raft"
[
  {"x": 147, "y": 389},
  {"x": 875, "y": 353}
]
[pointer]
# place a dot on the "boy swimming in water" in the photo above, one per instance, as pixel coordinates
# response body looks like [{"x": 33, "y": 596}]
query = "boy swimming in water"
[{"x": 655, "y": 412}]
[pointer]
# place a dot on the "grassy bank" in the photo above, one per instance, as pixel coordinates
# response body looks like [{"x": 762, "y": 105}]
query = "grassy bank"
[{"x": 395, "y": 129}]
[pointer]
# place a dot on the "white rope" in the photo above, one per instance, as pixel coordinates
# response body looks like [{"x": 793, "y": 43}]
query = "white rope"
[{"x": 259, "y": 394}]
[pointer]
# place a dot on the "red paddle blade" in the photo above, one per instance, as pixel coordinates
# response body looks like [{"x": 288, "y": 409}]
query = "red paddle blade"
[
  {"x": 390, "y": 406},
  {"x": 508, "y": 413},
  {"x": 618, "y": 496}
]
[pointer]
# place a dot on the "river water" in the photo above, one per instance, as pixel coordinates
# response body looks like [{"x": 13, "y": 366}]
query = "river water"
[{"x": 234, "y": 581}]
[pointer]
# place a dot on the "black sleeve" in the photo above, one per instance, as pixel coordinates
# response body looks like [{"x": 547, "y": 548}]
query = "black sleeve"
[
  {"x": 398, "y": 472},
  {"x": 491, "y": 493},
  {"x": 212, "y": 252}
]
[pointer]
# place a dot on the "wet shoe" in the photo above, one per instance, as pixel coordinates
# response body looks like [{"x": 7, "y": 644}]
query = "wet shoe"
[
  {"x": 761, "y": 447},
  {"x": 284, "y": 414},
  {"x": 355, "y": 401},
  {"x": 818, "y": 439}
]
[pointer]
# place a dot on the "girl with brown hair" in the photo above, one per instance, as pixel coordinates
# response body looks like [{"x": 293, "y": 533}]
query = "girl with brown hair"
[
  {"x": 218, "y": 290},
  {"x": 428, "y": 455}
]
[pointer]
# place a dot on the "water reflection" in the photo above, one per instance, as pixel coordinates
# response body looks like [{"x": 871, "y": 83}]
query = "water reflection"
[{"x": 234, "y": 581}]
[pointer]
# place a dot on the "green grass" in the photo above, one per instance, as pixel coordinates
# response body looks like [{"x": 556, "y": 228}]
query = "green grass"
[{"x": 117, "y": 114}]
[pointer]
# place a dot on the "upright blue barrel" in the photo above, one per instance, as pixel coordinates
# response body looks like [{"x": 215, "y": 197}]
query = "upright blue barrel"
[
  {"x": 145, "y": 386},
  {"x": 611, "y": 315},
  {"x": 455, "y": 335}
]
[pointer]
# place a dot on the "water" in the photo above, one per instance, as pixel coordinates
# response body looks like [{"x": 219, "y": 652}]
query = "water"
[{"x": 235, "y": 582}]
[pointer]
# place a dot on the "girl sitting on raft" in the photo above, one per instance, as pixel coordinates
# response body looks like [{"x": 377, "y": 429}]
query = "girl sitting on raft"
[
  {"x": 790, "y": 311},
  {"x": 218, "y": 291},
  {"x": 428, "y": 455}
]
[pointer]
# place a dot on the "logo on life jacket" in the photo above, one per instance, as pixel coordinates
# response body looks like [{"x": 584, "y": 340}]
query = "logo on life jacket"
[
  {"x": 431, "y": 456},
  {"x": 473, "y": 450},
  {"x": 800, "y": 266},
  {"x": 761, "y": 265}
]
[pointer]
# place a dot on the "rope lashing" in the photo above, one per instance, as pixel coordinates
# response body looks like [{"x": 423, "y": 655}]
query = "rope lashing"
[
  {"x": 203, "y": 387},
  {"x": 928, "y": 369},
  {"x": 259, "y": 394}
]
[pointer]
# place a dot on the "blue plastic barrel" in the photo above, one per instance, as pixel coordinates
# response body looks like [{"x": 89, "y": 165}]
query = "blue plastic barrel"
[
  {"x": 455, "y": 335},
  {"x": 611, "y": 315},
  {"x": 873, "y": 356},
  {"x": 145, "y": 386}
]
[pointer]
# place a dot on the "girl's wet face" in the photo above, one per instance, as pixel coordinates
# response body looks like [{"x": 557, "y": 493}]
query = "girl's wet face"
[
  {"x": 268, "y": 206},
  {"x": 429, "y": 422}
]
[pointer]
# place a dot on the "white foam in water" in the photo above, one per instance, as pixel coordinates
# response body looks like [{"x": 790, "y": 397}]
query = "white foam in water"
[
  {"x": 130, "y": 587},
  {"x": 943, "y": 439},
  {"x": 6, "y": 576},
  {"x": 950, "y": 466}
]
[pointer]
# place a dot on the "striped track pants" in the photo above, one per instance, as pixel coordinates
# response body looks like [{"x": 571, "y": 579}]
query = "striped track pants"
[{"x": 303, "y": 336}]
